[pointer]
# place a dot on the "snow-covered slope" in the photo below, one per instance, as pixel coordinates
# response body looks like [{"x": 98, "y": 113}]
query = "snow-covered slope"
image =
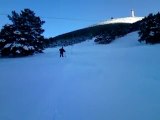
[
  {"x": 118, "y": 81},
  {"x": 122, "y": 20}
]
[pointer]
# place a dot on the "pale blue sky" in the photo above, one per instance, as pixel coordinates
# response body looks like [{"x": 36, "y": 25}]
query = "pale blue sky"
[{"x": 77, "y": 13}]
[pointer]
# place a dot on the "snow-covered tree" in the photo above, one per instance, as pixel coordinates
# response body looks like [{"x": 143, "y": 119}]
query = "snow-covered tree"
[
  {"x": 150, "y": 29},
  {"x": 103, "y": 38},
  {"x": 24, "y": 36}
]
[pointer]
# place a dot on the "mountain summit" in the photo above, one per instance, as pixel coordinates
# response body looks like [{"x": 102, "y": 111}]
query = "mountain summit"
[{"x": 131, "y": 19}]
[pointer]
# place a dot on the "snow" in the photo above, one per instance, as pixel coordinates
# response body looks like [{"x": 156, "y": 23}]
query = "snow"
[
  {"x": 31, "y": 47},
  {"x": 16, "y": 45},
  {"x": 7, "y": 45},
  {"x": 118, "y": 81},
  {"x": 2, "y": 40},
  {"x": 17, "y": 32},
  {"x": 25, "y": 47},
  {"x": 28, "y": 47},
  {"x": 151, "y": 33},
  {"x": 24, "y": 39},
  {"x": 17, "y": 51},
  {"x": 122, "y": 20}
]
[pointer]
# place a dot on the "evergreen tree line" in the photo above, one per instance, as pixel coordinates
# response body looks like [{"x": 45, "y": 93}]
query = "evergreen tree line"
[
  {"x": 23, "y": 36},
  {"x": 117, "y": 30}
]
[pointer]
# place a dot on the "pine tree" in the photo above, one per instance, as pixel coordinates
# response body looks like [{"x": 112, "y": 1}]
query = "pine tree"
[
  {"x": 24, "y": 36},
  {"x": 150, "y": 29}
]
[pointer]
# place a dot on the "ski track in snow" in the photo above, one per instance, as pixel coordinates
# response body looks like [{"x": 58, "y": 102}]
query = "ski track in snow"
[{"x": 118, "y": 81}]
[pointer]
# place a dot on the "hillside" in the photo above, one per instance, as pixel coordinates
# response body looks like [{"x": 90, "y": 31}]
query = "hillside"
[
  {"x": 113, "y": 28},
  {"x": 77, "y": 36},
  {"x": 117, "y": 81}
]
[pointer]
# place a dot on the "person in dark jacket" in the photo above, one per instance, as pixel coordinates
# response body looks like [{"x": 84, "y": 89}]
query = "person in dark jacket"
[{"x": 61, "y": 50}]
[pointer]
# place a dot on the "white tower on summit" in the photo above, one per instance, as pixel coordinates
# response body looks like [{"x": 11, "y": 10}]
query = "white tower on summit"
[{"x": 132, "y": 12}]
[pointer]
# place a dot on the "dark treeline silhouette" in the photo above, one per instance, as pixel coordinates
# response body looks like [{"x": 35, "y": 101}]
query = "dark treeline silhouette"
[{"x": 150, "y": 29}]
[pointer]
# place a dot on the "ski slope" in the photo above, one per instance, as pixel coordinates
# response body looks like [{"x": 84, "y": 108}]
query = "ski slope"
[{"x": 118, "y": 81}]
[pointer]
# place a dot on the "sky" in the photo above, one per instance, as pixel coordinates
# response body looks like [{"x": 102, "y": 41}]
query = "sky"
[{"x": 62, "y": 16}]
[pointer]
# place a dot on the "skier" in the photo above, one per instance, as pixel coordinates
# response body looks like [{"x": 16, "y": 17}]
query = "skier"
[{"x": 61, "y": 50}]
